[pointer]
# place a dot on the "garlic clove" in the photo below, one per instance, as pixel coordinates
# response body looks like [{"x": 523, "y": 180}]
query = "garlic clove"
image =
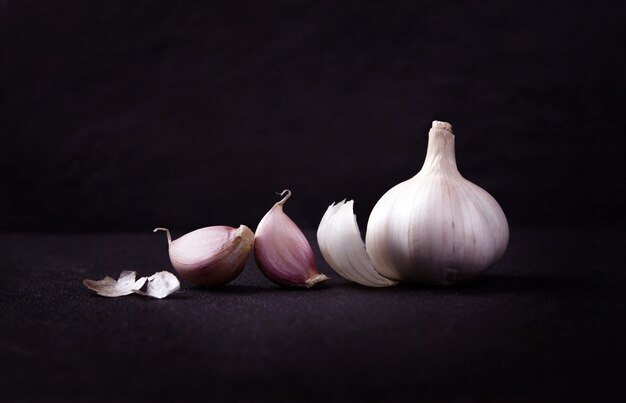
[
  {"x": 160, "y": 285},
  {"x": 436, "y": 227},
  {"x": 124, "y": 285},
  {"x": 341, "y": 245},
  {"x": 211, "y": 256},
  {"x": 282, "y": 252}
]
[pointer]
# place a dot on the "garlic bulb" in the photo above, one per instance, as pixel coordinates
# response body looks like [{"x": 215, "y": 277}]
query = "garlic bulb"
[
  {"x": 436, "y": 227},
  {"x": 282, "y": 252},
  {"x": 211, "y": 256},
  {"x": 340, "y": 241}
]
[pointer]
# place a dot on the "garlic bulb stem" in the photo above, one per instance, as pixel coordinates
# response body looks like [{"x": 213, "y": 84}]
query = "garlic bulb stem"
[
  {"x": 169, "y": 237},
  {"x": 440, "y": 156}
]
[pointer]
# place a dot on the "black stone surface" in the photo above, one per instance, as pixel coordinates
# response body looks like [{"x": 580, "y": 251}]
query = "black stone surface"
[{"x": 546, "y": 323}]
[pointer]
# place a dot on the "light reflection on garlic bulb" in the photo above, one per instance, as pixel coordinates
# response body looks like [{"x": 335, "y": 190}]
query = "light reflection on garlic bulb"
[{"x": 436, "y": 227}]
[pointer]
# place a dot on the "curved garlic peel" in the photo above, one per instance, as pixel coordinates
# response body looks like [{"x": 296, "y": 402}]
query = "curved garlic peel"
[
  {"x": 160, "y": 285},
  {"x": 341, "y": 245},
  {"x": 436, "y": 227},
  {"x": 211, "y": 256},
  {"x": 124, "y": 285},
  {"x": 282, "y": 252}
]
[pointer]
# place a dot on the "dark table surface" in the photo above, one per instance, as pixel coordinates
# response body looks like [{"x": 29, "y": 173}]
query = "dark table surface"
[{"x": 548, "y": 322}]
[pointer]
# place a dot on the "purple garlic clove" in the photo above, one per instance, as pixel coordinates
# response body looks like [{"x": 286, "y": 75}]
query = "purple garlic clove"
[
  {"x": 211, "y": 256},
  {"x": 282, "y": 252}
]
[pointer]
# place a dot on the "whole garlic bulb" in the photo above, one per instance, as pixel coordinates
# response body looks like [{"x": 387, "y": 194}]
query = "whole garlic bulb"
[
  {"x": 436, "y": 227},
  {"x": 211, "y": 256}
]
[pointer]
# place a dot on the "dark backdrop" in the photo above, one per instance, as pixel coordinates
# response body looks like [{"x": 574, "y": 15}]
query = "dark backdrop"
[
  {"x": 123, "y": 115},
  {"x": 136, "y": 114}
]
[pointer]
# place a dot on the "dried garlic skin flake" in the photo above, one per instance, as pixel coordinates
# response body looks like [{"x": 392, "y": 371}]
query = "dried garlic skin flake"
[
  {"x": 124, "y": 285},
  {"x": 339, "y": 239},
  {"x": 160, "y": 285}
]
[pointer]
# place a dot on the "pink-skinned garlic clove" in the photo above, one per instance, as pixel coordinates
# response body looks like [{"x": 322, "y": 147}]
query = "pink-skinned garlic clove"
[
  {"x": 160, "y": 285},
  {"x": 282, "y": 252},
  {"x": 211, "y": 256}
]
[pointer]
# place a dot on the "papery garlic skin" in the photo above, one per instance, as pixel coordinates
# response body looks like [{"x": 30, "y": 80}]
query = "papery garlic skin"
[
  {"x": 436, "y": 227},
  {"x": 160, "y": 285},
  {"x": 340, "y": 242},
  {"x": 126, "y": 284},
  {"x": 211, "y": 256},
  {"x": 282, "y": 252}
]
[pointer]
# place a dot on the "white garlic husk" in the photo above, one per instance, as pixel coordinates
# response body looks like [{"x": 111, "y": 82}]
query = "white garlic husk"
[
  {"x": 211, "y": 256},
  {"x": 340, "y": 242},
  {"x": 160, "y": 285},
  {"x": 436, "y": 227},
  {"x": 126, "y": 284}
]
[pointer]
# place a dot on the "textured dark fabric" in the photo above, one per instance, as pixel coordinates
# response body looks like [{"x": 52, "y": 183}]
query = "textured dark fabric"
[{"x": 545, "y": 323}]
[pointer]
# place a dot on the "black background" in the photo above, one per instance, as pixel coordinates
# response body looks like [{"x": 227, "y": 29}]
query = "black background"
[
  {"x": 120, "y": 116},
  {"x": 130, "y": 115}
]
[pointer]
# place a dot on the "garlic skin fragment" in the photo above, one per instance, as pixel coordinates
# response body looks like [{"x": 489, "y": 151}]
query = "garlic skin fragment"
[
  {"x": 160, "y": 285},
  {"x": 124, "y": 285},
  {"x": 211, "y": 256},
  {"x": 282, "y": 252},
  {"x": 436, "y": 227},
  {"x": 341, "y": 245}
]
